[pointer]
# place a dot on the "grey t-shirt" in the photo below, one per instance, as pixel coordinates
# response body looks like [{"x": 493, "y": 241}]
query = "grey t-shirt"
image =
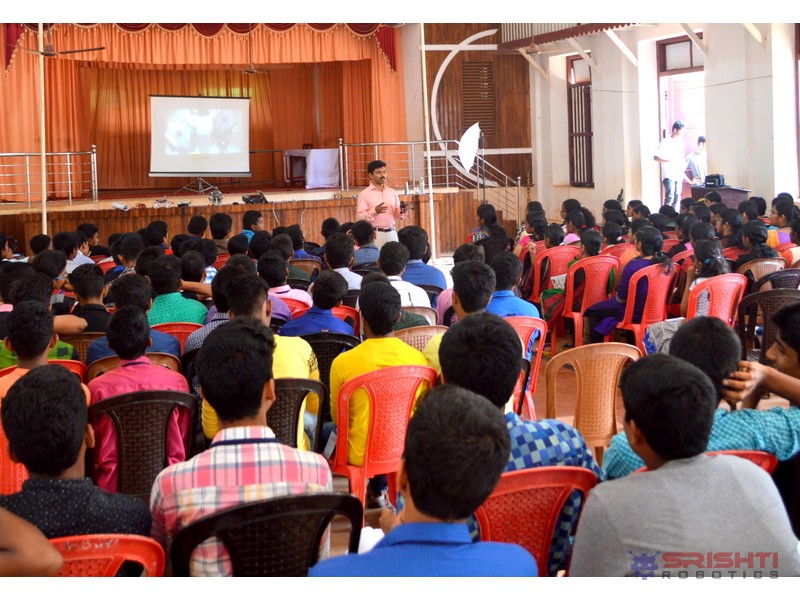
[{"x": 706, "y": 516}]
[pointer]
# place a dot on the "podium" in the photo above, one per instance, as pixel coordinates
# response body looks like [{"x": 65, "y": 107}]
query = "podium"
[{"x": 731, "y": 196}]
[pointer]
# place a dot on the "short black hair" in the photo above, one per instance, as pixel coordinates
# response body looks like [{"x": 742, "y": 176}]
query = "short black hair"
[
  {"x": 483, "y": 354},
  {"x": 130, "y": 245},
  {"x": 329, "y": 289},
  {"x": 375, "y": 164},
  {"x": 233, "y": 366},
  {"x": 672, "y": 403},
  {"x": 709, "y": 344},
  {"x": 250, "y": 218},
  {"x": 209, "y": 251},
  {"x": 414, "y": 238},
  {"x": 283, "y": 244},
  {"x": 176, "y": 243},
  {"x": 238, "y": 244},
  {"x": 457, "y": 446},
  {"x": 88, "y": 229},
  {"x": 702, "y": 212},
  {"x": 749, "y": 208},
  {"x": 220, "y": 225},
  {"x": 393, "y": 258},
  {"x": 44, "y": 418},
  {"x": 218, "y": 284},
  {"x": 668, "y": 211},
  {"x": 37, "y": 286},
  {"x": 131, "y": 290},
  {"x": 193, "y": 266},
  {"x": 243, "y": 263},
  {"x": 87, "y": 281},
  {"x": 128, "y": 332},
  {"x": 469, "y": 252},
  {"x": 487, "y": 213},
  {"x": 155, "y": 233},
  {"x": 339, "y": 250},
  {"x": 687, "y": 203},
  {"x": 66, "y": 241},
  {"x": 507, "y": 270},
  {"x": 570, "y": 204},
  {"x": 295, "y": 233},
  {"x": 761, "y": 204},
  {"x": 30, "y": 328},
  {"x": 787, "y": 320},
  {"x": 473, "y": 283},
  {"x": 678, "y": 125},
  {"x": 165, "y": 274},
  {"x": 146, "y": 258},
  {"x": 713, "y": 197},
  {"x": 50, "y": 262},
  {"x": 40, "y": 242},
  {"x": 9, "y": 273},
  {"x": 329, "y": 227},
  {"x": 197, "y": 225},
  {"x": 554, "y": 234},
  {"x": 246, "y": 295},
  {"x": 363, "y": 232},
  {"x": 272, "y": 268},
  {"x": 260, "y": 244},
  {"x": 380, "y": 306}
]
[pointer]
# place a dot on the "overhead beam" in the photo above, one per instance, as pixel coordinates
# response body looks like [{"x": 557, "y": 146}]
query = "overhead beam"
[
  {"x": 451, "y": 47},
  {"x": 622, "y": 47},
  {"x": 534, "y": 63},
  {"x": 756, "y": 33},
  {"x": 584, "y": 55},
  {"x": 696, "y": 40}
]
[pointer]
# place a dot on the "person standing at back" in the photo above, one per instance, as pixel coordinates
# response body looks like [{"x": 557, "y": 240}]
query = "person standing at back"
[{"x": 671, "y": 155}]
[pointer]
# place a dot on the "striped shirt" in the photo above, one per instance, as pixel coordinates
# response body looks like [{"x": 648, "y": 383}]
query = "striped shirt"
[{"x": 243, "y": 464}]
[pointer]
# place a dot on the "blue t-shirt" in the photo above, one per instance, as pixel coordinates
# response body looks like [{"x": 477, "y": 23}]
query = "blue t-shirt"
[{"x": 162, "y": 342}]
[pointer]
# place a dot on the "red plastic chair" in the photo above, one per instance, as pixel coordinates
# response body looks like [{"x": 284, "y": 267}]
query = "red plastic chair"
[
  {"x": 765, "y": 460},
  {"x": 669, "y": 244},
  {"x": 733, "y": 252},
  {"x": 725, "y": 292},
  {"x": 12, "y": 474},
  {"x": 222, "y": 258},
  {"x": 297, "y": 307},
  {"x": 790, "y": 252},
  {"x": 105, "y": 267},
  {"x": 101, "y": 555},
  {"x": 6, "y": 370},
  {"x": 99, "y": 257},
  {"x": 526, "y": 505},
  {"x": 684, "y": 259},
  {"x": 597, "y": 270},
  {"x": 74, "y": 366},
  {"x": 616, "y": 250},
  {"x": 526, "y": 327},
  {"x": 393, "y": 393},
  {"x": 180, "y": 330},
  {"x": 669, "y": 235},
  {"x": 655, "y": 307},
  {"x": 559, "y": 259}
]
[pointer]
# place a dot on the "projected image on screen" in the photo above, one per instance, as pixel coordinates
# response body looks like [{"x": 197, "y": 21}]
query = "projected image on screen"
[{"x": 199, "y": 136}]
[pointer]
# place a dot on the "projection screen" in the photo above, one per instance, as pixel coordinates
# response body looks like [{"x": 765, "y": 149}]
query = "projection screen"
[{"x": 199, "y": 136}]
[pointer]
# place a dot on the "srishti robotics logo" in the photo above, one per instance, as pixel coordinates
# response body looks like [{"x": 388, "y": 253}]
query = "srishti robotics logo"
[{"x": 643, "y": 565}]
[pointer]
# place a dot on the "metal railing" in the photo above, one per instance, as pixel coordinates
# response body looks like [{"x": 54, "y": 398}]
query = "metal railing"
[
  {"x": 68, "y": 174},
  {"x": 408, "y": 168}
]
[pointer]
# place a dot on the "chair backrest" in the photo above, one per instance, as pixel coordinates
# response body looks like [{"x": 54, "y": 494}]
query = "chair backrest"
[
  {"x": 659, "y": 280},
  {"x": 100, "y": 366},
  {"x": 367, "y": 267},
  {"x": 525, "y": 507},
  {"x": 298, "y": 284},
  {"x": 767, "y": 303},
  {"x": 597, "y": 368},
  {"x": 279, "y": 537},
  {"x": 101, "y": 555},
  {"x": 558, "y": 260},
  {"x": 164, "y": 359},
  {"x": 81, "y": 342},
  {"x": 616, "y": 250},
  {"x": 762, "y": 266},
  {"x": 141, "y": 421},
  {"x": 97, "y": 258},
  {"x": 351, "y": 298},
  {"x": 12, "y": 474},
  {"x": 684, "y": 259},
  {"x": 527, "y": 328},
  {"x": 425, "y": 311},
  {"x": 327, "y": 346},
  {"x": 105, "y": 267},
  {"x": 74, "y": 366},
  {"x": 785, "y": 279},
  {"x": 791, "y": 254},
  {"x": 433, "y": 291},
  {"x": 495, "y": 244},
  {"x": 596, "y": 270},
  {"x": 765, "y": 460},
  {"x": 669, "y": 243},
  {"x": 310, "y": 266},
  {"x": 222, "y": 258},
  {"x": 724, "y": 294},
  {"x": 180, "y": 330},
  {"x": 284, "y": 414},
  {"x": 734, "y": 252},
  {"x": 393, "y": 392},
  {"x": 418, "y": 337},
  {"x": 297, "y": 307}
]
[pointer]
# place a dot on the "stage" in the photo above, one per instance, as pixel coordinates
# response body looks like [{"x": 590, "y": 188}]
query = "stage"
[{"x": 454, "y": 212}]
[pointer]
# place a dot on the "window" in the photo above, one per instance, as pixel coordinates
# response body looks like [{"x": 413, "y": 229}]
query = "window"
[
  {"x": 579, "y": 115},
  {"x": 477, "y": 92},
  {"x": 679, "y": 54}
]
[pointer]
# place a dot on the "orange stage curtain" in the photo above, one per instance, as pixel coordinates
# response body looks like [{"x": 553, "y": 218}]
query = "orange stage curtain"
[{"x": 105, "y": 101}]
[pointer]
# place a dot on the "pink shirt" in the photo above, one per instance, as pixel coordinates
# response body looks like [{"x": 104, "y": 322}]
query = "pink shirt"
[
  {"x": 284, "y": 291},
  {"x": 372, "y": 197},
  {"x": 138, "y": 375}
]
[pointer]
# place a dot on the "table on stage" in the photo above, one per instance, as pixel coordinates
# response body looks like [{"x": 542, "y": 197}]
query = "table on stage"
[
  {"x": 317, "y": 168},
  {"x": 731, "y": 196}
]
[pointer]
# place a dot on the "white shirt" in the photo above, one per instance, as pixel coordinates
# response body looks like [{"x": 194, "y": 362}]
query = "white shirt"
[
  {"x": 672, "y": 150},
  {"x": 410, "y": 294}
]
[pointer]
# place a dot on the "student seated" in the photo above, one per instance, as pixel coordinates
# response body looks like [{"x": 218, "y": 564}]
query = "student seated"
[
  {"x": 298, "y": 241},
  {"x": 245, "y": 462},
  {"x": 169, "y": 305},
  {"x": 252, "y": 222},
  {"x": 53, "y": 263},
  {"x": 46, "y": 422},
  {"x": 687, "y": 501},
  {"x": 129, "y": 337},
  {"x": 220, "y": 225},
  {"x": 363, "y": 233},
  {"x": 273, "y": 269},
  {"x": 328, "y": 291},
  {"x": 415, "y": 239},
  {"x": 508, "y": 271},
  {"x": 89, "y": 288},
  {"x": 456, "y": 448},
  {"x": 339, "y": 257},
  {"x": 445, "y": 312},
  {"x": 392, "y": 262}
]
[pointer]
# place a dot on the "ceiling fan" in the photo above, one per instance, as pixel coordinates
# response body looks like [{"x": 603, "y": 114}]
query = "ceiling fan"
[
  {"x": 49, "y": 50},
  {"x": 250, "y": 69}
]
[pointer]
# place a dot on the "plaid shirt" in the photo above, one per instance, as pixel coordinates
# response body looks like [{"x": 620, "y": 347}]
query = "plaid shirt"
[{"x": 243, "y": 464}]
